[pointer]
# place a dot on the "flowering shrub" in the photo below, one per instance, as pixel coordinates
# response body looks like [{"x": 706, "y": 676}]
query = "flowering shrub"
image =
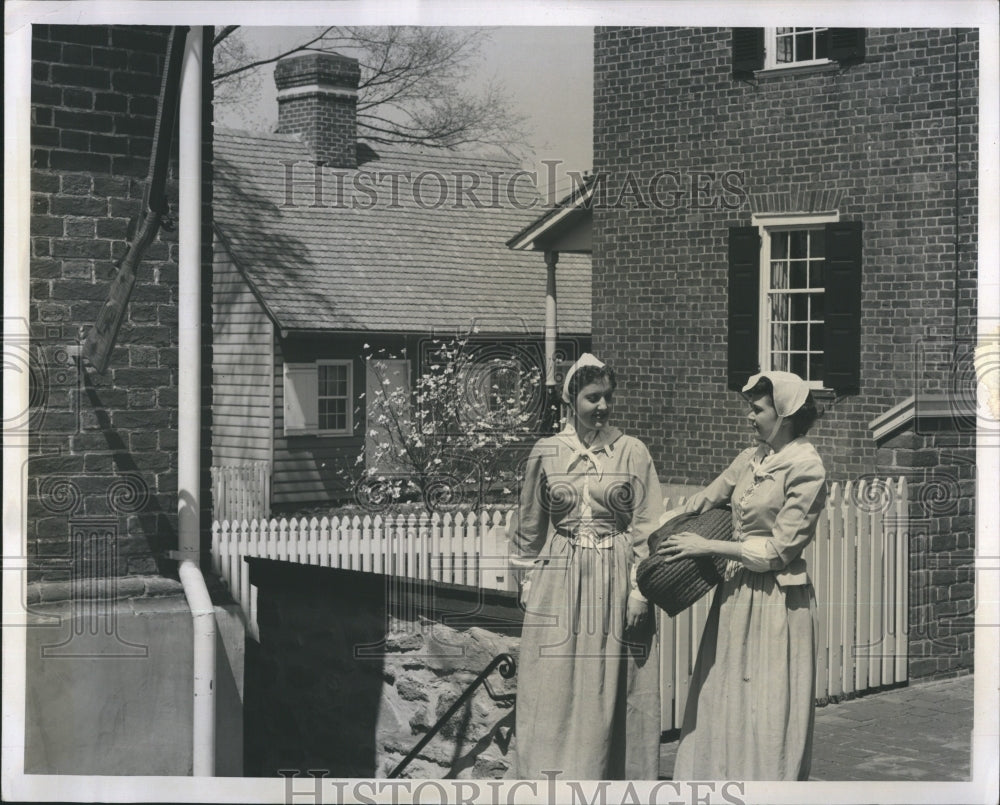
[{"x": 457, "y": 436}]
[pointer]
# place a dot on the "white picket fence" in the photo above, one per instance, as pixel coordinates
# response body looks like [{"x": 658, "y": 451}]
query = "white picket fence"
[
  {"x": 241, "y": 491},
  {"x": 468, "y": 549},
  {"x": 858, "y": 563}
]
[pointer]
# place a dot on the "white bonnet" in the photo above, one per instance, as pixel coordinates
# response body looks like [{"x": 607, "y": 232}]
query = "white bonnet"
[
  {"x": 586, "y": 359},
  {"x": 789, "y": 391}
]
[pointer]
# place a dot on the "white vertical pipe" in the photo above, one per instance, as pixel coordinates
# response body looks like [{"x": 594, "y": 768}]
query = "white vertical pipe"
[
  {"x": 189, "y": 407},
  {"x": 551, "y": 324}
]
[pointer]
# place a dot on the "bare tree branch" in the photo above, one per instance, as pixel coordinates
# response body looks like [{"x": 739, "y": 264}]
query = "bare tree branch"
[{"x": 414, "y": 85}]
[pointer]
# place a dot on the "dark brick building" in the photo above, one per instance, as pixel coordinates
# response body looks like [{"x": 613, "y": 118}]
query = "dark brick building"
[
  {"x": 800, "y": 199},
  {"x": 103, "y": 446},
  {"x": 101, "y": 480}
]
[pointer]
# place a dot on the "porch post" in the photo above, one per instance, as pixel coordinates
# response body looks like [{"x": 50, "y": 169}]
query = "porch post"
[{"x": 551, "y": 415}]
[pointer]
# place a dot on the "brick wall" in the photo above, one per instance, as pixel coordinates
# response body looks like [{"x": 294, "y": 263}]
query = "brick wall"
[
  {"x": 882, "y": 133},
  {"x": 894, "y": 140},
  {"x": 103, "y": 463},
  {"x": 939, "y": 465}
]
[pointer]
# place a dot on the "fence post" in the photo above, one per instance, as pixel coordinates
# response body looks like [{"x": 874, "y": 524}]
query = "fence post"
[{"x": 902, "y": 580}]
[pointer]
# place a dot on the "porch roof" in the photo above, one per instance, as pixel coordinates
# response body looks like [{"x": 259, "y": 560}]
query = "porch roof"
[{"x": 367, "y": 257}]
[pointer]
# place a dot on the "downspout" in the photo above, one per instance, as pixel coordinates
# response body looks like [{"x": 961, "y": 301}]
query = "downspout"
[
  {"x": 189, "y": 408},
  {"x": 552, "y": 397}
]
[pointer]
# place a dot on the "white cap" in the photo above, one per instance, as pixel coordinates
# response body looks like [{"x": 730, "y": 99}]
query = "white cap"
[
  {"x": 789, "y": 391},
  {"x": 586, "y": 359}
]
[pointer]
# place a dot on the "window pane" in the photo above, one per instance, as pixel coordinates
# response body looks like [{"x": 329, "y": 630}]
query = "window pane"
[
  {"x": 815, "y": 274},
  {"x": 816, "y": 340},
  {"x": 816, "y": 366},
  {"x": 332, "y": 381},
  {"x": 780, "y": 309},
  {"x": 779, "y": 275},
  {"x": 799, "y": 306},
  {"x": 779, "y": 361},
  {"x": 823, "y": 44},
  {"x": 800, "y": 364},
  {"x": 799, "y": 274},
  {"x": 799, "y": 334},
  {"x": 333, "y": 414},
  {"x": 779, "y": 245},
  {"x": 783, "y": 51},
  {"x": 799, "y": 243},
  {"x": 779, "y": 337},
  {"x": 804, "y": 46}
]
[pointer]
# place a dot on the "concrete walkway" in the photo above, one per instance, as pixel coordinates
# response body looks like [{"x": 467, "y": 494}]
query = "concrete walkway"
[{"x": 919, "y": 732}]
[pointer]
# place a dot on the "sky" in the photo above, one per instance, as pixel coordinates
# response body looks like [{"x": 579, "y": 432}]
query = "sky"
[{"x": 547, "y": 73}]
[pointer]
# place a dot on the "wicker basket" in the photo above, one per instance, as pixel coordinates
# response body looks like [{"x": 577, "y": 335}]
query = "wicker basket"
[{"x": 674, "y": 586}]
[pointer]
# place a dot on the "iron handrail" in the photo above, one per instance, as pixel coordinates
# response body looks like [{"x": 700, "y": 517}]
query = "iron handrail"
[{"x": 507, "y": 666}]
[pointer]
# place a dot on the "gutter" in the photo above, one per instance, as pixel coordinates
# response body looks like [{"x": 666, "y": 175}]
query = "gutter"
[{"x": 189, "y": 408}]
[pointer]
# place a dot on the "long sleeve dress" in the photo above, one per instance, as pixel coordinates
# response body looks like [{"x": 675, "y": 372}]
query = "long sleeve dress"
[
  {"x": 751, "y": 706},
  {"x": 588, "y": 702}
]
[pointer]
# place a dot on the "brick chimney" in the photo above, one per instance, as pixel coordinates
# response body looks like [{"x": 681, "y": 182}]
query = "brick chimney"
[{"x": 317, "y": 98}]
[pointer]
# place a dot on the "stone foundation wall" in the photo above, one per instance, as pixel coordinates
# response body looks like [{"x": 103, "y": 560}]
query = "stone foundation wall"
[{"x": 353, "y": 669}]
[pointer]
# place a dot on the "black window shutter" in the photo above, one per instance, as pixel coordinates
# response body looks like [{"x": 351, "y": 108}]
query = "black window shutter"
[
  {"x": 744, "y": 310},
  {"x": 847, "y": 45},
  {"x": 748, "y": 51},
  {"x": 842, "y": 336}
]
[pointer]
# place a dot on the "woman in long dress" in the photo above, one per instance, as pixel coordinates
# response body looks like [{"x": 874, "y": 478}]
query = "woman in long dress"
[
  {"x": 588, "y": 670},
  {"x": 751, "y": 705}
]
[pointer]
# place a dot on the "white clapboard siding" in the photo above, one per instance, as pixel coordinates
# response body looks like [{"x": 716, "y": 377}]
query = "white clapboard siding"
[
  {"x": 242, "y": 394},
  {"x": 858, "y": 564},
  {"x": 241, "y": 491}
]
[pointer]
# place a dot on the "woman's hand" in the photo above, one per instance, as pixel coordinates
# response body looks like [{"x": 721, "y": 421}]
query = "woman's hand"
[
  {"x": 635, "y": 612},
  {"x": 684, "y": 545}
]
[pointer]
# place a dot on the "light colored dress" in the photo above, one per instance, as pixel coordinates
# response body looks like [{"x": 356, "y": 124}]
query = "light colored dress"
[
  {"x": 588, "y": 701},
  {"x": 751, "y": 706}
]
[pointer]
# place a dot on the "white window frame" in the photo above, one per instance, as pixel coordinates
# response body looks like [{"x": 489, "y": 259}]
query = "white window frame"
[
  {"x": 771, "y": 53},
  {"x": 766, "y": 224},
  {"x": 348, "y": 429}
]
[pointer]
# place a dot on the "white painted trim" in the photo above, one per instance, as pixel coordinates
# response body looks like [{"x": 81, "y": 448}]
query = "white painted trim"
[
  {"x": 313, "y": 89},
  {"x": 917, "y": 407},
  {"x": 779, "y": 222},
  {"x": 794, "y": 220},
  {"x": 770, "y": 53},
  {"x": 529, "y": 238}
]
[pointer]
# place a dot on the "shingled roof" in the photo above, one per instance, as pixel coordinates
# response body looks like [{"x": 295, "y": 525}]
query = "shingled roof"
[{"x": 371, "y": 259}]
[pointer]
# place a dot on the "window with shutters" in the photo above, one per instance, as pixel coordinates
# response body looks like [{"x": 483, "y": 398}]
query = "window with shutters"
[
  {"x": 318, "y": 398},
  {"x": 795, "y": 300},
  {"x": 796, "y": 46},
  {"x": 761, "y": 49}
]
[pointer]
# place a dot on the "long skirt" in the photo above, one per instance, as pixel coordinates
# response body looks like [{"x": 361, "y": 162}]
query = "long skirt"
[
  {"x": 588, "y": 695},
  {"x": 751, "y": 706}
]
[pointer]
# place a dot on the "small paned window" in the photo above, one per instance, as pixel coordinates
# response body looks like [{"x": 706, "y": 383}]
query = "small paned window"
[{"x": 333, "y": 397}]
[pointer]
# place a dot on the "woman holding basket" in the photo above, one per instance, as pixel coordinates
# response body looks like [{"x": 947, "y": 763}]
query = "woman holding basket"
[{"x": 750, "y": 708}]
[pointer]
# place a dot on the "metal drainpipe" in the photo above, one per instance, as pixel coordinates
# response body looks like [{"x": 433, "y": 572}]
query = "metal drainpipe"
[
  {"x": 552, "y": 405},
  {"x": 189, "y": 408}
]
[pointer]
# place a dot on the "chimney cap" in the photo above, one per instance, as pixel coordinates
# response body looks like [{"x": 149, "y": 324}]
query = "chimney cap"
[{"x": 325, "y": 69}]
